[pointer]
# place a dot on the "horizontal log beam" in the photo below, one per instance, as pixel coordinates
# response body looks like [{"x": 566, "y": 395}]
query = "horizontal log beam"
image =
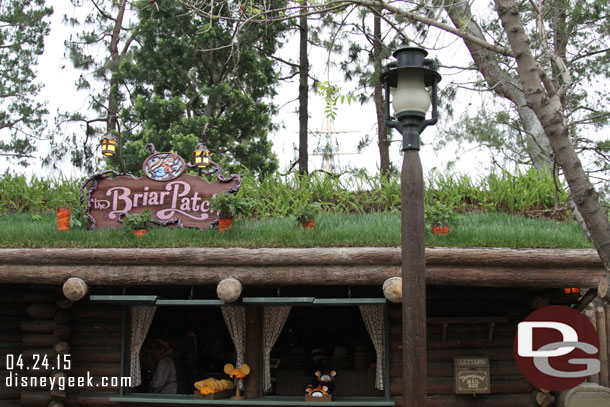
[
  {"x": 302, "y": 275},
  {"x": 304, "y": 256}
]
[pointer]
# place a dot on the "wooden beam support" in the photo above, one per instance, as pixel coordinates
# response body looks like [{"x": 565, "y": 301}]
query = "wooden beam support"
[
  {"x": 585, "y": 300},
  {"x": 254, "y": 343},
  {"x": 603, "y": 288},
  {"x": 301, "y": 275},
  {"x": 495, "y": 257}
]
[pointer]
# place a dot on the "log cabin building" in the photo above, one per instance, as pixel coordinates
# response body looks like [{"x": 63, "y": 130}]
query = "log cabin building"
[{"x": 298, "y": 310}]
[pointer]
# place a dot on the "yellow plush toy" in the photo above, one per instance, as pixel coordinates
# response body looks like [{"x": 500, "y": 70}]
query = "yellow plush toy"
[
  {"x": 211, "y": 385},
  {"x": 239, "y": 373}
]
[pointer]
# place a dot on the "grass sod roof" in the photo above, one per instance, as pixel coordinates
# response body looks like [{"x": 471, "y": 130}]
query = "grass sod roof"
[
  {"x": 332, "y": 230},
  {"x": 361, "y": 249}
]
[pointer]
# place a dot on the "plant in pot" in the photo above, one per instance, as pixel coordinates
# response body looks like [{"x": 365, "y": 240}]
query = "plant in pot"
[
  {"x": 227, "y": 205},
  {"x": 138, "y": 223},
  {"x": 307, "y": 213},
  {"x": 440, "y": 217},
  {"x": 63, "y": 219}
]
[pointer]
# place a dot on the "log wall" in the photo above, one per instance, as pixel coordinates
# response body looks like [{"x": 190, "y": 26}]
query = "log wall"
[
  {"x": 95, "y": 347},
  {"x": 37, "y": 323},
  {"x": 12, "y": 311},
  {"x": 453, "y": 330}
]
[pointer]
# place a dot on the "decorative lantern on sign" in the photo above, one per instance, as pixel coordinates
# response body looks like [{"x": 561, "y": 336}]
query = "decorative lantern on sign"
[
  {"x": 108, "y": 145},
  {"x": 201, "y": 156}
]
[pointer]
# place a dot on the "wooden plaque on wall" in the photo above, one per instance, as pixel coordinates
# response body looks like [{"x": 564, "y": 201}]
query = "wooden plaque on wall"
[{"x": 472, "y": 375}]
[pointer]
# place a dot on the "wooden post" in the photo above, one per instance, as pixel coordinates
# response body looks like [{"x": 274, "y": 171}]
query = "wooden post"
[
  {"x": 603, "y": 288},
  {"x": 414, "y": 373},
  {"x": 590, "y": 313},
  {"x": 607, "y": 315},
  {"x": 254, "y": 344},
  {"x": 603, "y": 343}
]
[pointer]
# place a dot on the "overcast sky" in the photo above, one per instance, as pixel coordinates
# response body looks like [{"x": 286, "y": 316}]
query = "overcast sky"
[{"x": 353, "y": 121}]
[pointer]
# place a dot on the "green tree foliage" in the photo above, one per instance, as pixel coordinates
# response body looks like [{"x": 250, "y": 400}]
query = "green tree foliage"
[
  {"x": 570, "y": 42},
  {"x": 23, "y": 26},
  {"x": 105, "y": 36},
  {"x": 190, "y": 83}
]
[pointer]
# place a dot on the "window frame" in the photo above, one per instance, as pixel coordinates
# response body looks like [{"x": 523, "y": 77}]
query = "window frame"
[{"x": 127, "y": 301}]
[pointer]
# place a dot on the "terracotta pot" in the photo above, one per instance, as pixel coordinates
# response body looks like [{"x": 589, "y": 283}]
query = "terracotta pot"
[
  {"x": 140, "y": 232},
  {"x": 63, "y": 219},
  {"x": 224, "y": 224},
  {"x": 309, "y": 224}
]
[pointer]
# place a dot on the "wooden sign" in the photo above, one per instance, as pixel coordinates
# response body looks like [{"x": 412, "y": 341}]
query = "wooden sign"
[
  {"x": 471, "y": 375},
  {"x": 173, "y": 196}
]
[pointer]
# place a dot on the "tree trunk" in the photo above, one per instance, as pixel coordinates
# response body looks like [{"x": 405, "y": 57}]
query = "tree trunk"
[
  {"x": 382, "y": 130},
  {"x": 303, "y": 91},
  {"x": 113, "y": 93},
  {"x": 546, "y": 103},
  {"x": 537, "y": 144}
]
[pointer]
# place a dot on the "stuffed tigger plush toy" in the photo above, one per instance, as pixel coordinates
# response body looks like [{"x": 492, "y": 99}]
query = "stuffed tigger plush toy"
[{"x": 323, "y": 384}]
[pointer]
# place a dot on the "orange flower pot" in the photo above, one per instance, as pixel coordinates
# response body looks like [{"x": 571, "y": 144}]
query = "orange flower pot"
[
  {"x": 439, "y": 230},
  {"x": 140, "y": 232},
  {"x": 224, "y": 224},
  {"x": 63, "y": 219},
  {"x": 309, "y": 224}
]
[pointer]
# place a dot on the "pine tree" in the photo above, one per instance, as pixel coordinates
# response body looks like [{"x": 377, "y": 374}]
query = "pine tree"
[{"x": 23, "y": 27}]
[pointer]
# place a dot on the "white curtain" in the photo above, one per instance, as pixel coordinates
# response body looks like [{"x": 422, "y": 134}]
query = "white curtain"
[
  {"x": 235, "y": 319},
  {"x": 374, "y": 320},
  {"x": 141, "y": 318},
  {"x": 274, "y": 318}
]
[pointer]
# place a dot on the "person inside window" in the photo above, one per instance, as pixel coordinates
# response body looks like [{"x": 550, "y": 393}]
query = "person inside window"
[{"x": 168, "y": 377}]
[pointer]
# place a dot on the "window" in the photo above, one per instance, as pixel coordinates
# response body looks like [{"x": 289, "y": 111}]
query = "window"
[
  {"x": 197, "y": 335},
  {"x": 319, "y": 333},
  {"x": 324, "y": 338}
]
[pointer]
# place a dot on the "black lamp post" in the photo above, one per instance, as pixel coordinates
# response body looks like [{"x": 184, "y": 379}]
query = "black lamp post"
[{"x": 406, "y": 80}]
